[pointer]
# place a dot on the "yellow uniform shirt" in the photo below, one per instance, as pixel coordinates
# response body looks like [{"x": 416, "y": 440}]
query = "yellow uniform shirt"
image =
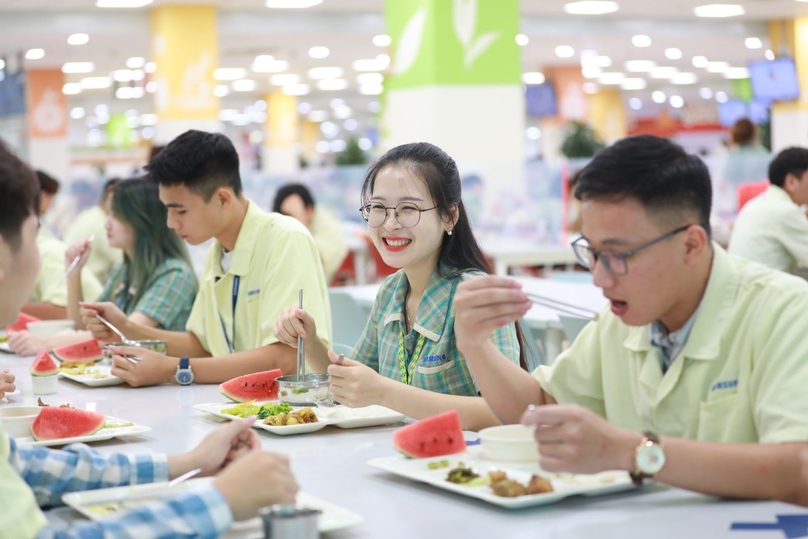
[
  {"x": 51, "y": 287},
  {"x": 741, "y": 376},
  {"x": 102, "y": 257},
  {"x": 772, "y": 230},
  {"x": 330, "y": 240},
  {"x": 21, "y": 516},
  {"x": 274, "y": 257}
]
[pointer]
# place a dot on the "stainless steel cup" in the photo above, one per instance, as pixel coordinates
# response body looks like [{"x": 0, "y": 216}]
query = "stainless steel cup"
[{"x": 290, "y": 522}]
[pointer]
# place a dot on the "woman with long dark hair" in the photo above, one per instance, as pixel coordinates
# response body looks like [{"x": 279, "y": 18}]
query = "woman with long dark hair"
[{"x": 407, "y": 358}]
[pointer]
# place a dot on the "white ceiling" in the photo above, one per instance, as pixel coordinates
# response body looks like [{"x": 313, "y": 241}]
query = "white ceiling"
[{"x": 247, "y": 29}]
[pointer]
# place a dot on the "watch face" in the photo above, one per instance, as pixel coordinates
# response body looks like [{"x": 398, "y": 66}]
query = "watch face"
[
  {"x": 650, "y": 459},
  {"x": 184, "y": 377}
]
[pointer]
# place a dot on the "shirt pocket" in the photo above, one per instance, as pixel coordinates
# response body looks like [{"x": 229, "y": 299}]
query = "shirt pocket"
[
  {"x": 716, "y": 419},
  {"x": 436, "y": 369}
]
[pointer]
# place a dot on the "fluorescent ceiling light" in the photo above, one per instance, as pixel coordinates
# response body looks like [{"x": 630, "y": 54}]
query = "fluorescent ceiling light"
[
  {"x": 318, "y": 116},
  {"x": 700, "y": 61},
  {"x": 684, "y": 78},
  {"x": 284, "y": 79},
  {"x": 382, "y": 40},
  {"x": 591, "y": 72},
  {"x": 122, "y": 3},
  {"x": 229, "y": 73},
  {"x": 641, "y": 41},
  {"x": 221, "y": 90},
  {"x": 244, "y": 85},
  {"x": 564, "y": 51},
  {"x": 370, "y": 78},
  {"x": 635, "y": 103},
  {"x": 769, "y": 54},
  {"x": 35, "y": 54},
  {"x": 753, "y": 43},
  {"x": 319, "y": 52},
  {"x": 721, "y": 97},
  {"x": 677, "y": 101},
  {"x": 717, "y": 67},
  {"x": 228, "y": 115},
  {"x": 123, "y": 75},
  {"x": 706, "y": 93},
  {"x": 673, "y": 53},
  {"x": 640, "y": 66},
  {"x": 591, "y": 7},
  {"x": 78, "y": 39},
  {"x": 325, "y": 72},
  {"x": 95, "y": 83},
  {"x": 150, "y": 67},
  {"x": 71, "y": 88},
  {"x": 77, "y": 113},
  {"x": 371, "y": 64},
  {"x": 659, "y": 97},
  {"x": 136, "y": 62},
  {"x": 719, "y": 10},
  {"x": 296, "y": 89},
  {"x": 635, "y": 83},
  {"x": 371, "y": 89},
  {"x": 292, "y": 4},
  {"x": 603, "y": 61},
  {"x": 332, "y": 84},
  {"x": 148, "y": 119},
  {"x": 78, "y": 67},
  {"x": 533, "y": 77},
  {"x": 522, "y": 40},
  {"x": 611, "y": 78},
  {"x": 737, "y": 73},
  {"x": 263, "y": 64}
]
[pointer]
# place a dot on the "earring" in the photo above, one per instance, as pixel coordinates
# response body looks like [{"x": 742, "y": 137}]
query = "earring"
[{"x": 450, "y": 232}]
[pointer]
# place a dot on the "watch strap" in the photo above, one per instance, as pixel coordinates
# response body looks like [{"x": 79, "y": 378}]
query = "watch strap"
[
  {"x": 638, "y": 477},
  {"x": 185, "y": 363}
]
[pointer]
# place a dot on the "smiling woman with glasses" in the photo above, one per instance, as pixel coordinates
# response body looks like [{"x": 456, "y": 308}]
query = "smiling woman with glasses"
[{"x": 407, "y": 358}]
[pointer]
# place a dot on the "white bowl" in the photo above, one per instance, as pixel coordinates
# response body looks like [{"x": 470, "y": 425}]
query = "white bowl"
[
  {"x": 510, "y": 443},
  {"x": 47, "y": 328},
  {"x": 45, "y": 385},
  {"x": 17, "y": 420}
]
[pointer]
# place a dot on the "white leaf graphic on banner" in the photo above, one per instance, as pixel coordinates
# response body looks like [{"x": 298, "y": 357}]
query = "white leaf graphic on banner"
[
  {"x": 409, "y": 45},
  {"x": 465, "y": 20},
  {"x": 48, "y": 116},
  {"x": 481, "y": 44}
]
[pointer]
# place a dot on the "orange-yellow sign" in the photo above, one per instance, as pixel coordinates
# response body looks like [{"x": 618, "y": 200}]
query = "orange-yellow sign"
[
  {"x": 47, "y": 105},
  {"x": 282, "y": 122}
]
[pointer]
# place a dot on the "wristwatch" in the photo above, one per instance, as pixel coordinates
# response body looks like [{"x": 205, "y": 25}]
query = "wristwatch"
[
  {"x": 649, "y": 458},
  {"x": 184, "y": 375}
]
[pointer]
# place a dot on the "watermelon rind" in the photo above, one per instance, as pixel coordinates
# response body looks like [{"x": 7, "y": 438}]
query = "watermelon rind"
[
  {"x": 55, "y": 423},
  {"x": 259, "y": 386},
  {"x": 83, "y": 351},
  {"x": 433, "y": 436},
  {"x": 44, "y": 365}
]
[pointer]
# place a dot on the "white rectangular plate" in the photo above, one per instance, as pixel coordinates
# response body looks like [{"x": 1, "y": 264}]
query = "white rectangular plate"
[
  {"x": 106, "y": 433},
  {"x": 93, "y": 381},
  {"x": 215, "y": 408},
  {"x": 333, "y": 517},
  {"x": 564, "y": 485},
  {"x": 338, "y": 416},
  {"x": 5, "y": 349},
  {"x": 354, "y": 418}
]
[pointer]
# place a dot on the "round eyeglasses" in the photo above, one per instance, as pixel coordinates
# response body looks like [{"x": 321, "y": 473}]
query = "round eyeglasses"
[{"x": 407, "y": 214}]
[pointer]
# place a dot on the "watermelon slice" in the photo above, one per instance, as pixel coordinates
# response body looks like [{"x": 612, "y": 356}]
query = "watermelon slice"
[
  {"x": 44, "y": 365},
  {"x": 22, "y": 323},
  {"x": 431, "y": 437},
  {"x": 260, "y": 386},
  {"x": 54, "y": 423},
  {"x": 83, "y": 351}
]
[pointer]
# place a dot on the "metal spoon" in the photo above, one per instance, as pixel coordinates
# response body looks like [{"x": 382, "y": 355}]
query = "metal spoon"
[
  {"x": 151, "y": 494},
  {"x": 126, "y": 341},
  {"x": 72, "y": 265}
]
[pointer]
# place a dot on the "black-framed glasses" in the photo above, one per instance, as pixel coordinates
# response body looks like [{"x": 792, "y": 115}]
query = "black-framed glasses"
[
  {"x": 407, "y": 214},
  {"x": 615, "y": 262}
]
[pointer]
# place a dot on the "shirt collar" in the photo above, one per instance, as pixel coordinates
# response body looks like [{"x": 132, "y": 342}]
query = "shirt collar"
[
  {"x": 780, "y": 194},
  {"x": 245, "y": 245},
  {"x": 712, "y": 315},
  {"x": 433, "y": 309}
]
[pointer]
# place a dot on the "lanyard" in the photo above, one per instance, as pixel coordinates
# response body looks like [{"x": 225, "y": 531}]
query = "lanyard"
[
  {"x": 231, "y": 345},
  {"x": 408, "y": 374}
]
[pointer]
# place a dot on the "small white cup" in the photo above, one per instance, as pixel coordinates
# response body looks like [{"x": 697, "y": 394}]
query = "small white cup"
[
  {"x": 510, "y": 443},
  {"x": 45, "y": 385}
]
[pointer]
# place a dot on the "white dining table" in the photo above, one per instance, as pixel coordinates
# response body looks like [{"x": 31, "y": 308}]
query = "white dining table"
[
  {"x": 513, "y": 252},
  {"x": 540, "y": 318},
  {"x": 331, "y": 464}
]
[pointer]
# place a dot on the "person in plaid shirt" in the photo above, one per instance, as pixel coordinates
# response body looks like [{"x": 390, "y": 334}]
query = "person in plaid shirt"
[
  {"x": 155, "y": 284},
  {"x": 246, "y": 478},
  {"x": 407, "y": 358}
]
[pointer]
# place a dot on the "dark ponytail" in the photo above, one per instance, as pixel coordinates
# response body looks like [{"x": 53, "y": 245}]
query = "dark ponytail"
[{"x": 459, "y": 252}]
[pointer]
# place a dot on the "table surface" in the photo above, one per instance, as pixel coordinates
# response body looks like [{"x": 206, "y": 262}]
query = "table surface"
[
  {"x": 330, "y": 464},
  {"x": 579, "y": 294}
]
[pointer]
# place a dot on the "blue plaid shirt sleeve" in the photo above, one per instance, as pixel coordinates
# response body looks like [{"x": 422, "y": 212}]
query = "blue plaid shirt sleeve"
[{"x": 200, "y": 513}]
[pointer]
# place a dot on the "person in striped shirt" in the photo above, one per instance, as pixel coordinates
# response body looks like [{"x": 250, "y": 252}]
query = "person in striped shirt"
[{"x": 246, "y": 478}]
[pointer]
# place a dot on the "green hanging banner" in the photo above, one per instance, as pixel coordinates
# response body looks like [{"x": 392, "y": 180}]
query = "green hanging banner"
[{"x": 453, "y": 42}]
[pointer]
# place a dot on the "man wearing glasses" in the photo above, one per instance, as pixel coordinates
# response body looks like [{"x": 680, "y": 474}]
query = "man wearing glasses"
[{"x": 694, "y": 375}]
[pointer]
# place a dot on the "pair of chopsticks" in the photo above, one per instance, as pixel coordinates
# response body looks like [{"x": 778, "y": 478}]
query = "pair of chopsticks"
[
  {"x": 301, "y": 354},
  {"x": 72, "y": 265}
]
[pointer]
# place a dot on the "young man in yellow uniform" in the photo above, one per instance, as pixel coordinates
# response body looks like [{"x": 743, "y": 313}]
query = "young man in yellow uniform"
[
  {"x": 695, "y": 374},
  {"x": 255, "y": 267}
]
